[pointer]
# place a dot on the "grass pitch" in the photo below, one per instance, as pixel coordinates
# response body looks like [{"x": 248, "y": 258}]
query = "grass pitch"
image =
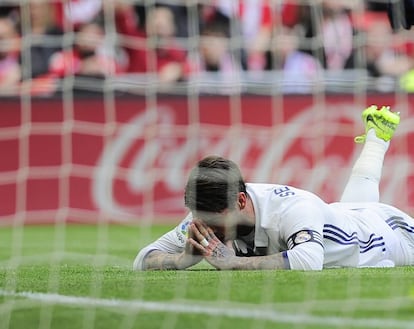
[{"x": 80, "y": 276}]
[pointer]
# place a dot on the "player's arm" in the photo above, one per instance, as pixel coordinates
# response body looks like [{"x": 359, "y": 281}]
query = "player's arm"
[
  {"x": 223, "y": 257},
  {"x": 170, "y": 252},
  {"x": 302, "y": 231},
  {"x": 161, "y": 260},
  {"x": 307, "y": 252},
  {"x": 218, "y": 258}
]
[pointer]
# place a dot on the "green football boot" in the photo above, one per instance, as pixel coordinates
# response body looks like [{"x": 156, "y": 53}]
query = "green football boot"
[{"x": 382, "y": 120}]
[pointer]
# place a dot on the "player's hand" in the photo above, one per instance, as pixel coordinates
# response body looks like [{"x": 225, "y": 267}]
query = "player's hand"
[
  {"x": 190, "y": 256},
  {"x": 214, "y": 251},
  {"x": 162, "y": 260}
]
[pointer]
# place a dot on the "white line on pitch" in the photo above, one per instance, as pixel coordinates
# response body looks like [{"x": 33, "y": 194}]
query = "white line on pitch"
[{"x": 194, "y": 308}]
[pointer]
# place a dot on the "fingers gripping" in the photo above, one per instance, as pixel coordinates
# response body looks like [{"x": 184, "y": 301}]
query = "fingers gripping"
[{"x": 205, "y": 240}]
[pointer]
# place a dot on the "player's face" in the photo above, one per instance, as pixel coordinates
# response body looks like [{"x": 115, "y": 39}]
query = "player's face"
[
  {"x": 224, "y": 234},
  {"x": 226, "y": 225}
]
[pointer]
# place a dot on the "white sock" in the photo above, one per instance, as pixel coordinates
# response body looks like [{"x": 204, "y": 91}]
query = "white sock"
[{"x": 363, "y": 185}]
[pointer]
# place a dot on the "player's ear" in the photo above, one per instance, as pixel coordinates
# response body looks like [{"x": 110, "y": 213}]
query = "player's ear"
[{"x": 242, "y": 200}]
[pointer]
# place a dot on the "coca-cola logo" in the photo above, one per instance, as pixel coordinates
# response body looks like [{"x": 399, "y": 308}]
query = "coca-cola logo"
[{"x": 142, "y": 171}]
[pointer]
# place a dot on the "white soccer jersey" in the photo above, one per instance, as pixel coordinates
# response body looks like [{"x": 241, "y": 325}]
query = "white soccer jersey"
[{"x": 313, "y": 234}]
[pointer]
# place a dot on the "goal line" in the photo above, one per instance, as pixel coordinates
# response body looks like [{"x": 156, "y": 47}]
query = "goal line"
[{"x": 227, "y": 310}]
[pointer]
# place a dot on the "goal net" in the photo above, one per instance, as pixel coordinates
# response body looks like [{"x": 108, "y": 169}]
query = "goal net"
[{"x": 105, "y": 106}]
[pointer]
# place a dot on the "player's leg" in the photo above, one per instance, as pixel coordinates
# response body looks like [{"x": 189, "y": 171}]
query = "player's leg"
[
  {"x": 363, "y": 184},
  {"x": 402, "y": 224}
]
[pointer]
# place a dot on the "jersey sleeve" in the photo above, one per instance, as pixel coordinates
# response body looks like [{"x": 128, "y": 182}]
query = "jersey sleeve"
[
  {"x": 302, "y": 233},
  {"x": 172, "y": 242}
]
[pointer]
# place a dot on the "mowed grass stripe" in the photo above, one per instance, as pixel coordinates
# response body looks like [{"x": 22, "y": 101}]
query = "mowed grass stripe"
[
  {"x": 98, "y": 271},
  {"x": 226, "y": 310}
]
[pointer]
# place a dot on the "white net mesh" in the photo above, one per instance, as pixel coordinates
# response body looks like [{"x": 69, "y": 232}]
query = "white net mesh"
[{"x": 106, "y": 105}]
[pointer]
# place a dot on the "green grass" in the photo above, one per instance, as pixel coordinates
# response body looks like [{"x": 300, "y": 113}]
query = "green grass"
[{"x": 80, "y": 276}]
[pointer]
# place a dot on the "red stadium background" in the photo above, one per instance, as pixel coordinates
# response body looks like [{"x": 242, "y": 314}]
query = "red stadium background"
[{"x": 126, "y": 159}]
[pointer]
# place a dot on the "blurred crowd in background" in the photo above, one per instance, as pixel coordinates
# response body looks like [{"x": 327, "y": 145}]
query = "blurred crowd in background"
[{"x": 41, "y": 41}]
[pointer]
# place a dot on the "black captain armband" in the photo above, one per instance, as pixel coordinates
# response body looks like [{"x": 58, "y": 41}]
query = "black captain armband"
[{"x": 304, "y": 236}]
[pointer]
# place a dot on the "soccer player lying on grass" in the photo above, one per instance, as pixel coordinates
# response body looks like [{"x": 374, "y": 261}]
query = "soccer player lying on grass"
[{"x": 244, "y": 226}]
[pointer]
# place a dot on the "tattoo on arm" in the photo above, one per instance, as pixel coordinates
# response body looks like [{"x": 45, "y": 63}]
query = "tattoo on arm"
[
  {"x": 270, "y": 262},
  {"x": 157, "y": 260},
  {"x": 222, "y": 257}
]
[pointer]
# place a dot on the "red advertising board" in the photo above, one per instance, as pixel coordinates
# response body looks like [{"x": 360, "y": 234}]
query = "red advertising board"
[{"x": 127, "y": 159}]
